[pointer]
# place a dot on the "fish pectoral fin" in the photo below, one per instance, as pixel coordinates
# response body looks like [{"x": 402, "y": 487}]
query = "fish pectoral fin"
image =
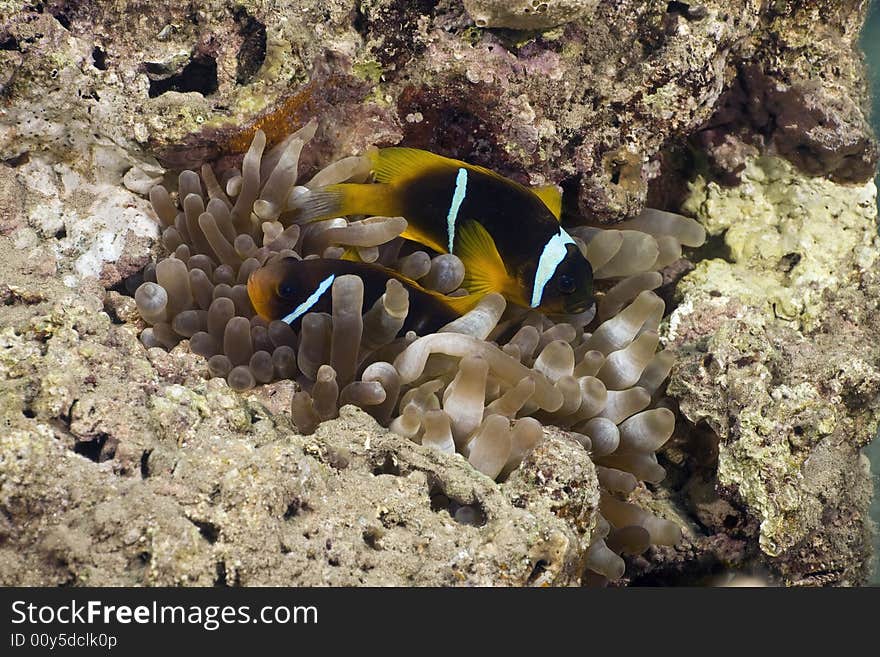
[
  {"x": 351, "y": 254},
  {"x": 552, "y": 197},
  {"x": 484, "y": 269},
  {"x": 420, "y": 236},
  {"x": 391, "y": 165},
  {"x": 464, "y": 304}
]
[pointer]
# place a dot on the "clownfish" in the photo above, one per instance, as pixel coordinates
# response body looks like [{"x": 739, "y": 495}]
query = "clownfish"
[
  {"x": 288, "y": 288},
  {"x": 508, "y": 236}
]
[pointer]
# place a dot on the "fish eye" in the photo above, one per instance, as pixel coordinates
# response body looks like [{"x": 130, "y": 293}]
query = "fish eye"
[
  {"x": 566, "y": 284},
  {"x": 285, "y": 290}
]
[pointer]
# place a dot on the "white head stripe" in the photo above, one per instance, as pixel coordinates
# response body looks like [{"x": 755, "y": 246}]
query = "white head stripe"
[
  {"x": 554, "y": 252},
  {"x": 306, "y": 305},
  {"x": 457, "y": 200}
]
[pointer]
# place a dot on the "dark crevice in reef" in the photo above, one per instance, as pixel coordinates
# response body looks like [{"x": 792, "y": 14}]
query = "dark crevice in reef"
[
  {"x": 98, "y": 449},
  {"x": 209, "y": 531},
  {"x": 701, "y": 572},
  {"x": 220, "y": 579},
  {"x": 18, "y": 160},
  {"x": 539, "y": 569},
  {"x": 9, "y": 42},
  {"x": 110, "y": 309},
  {"x": 199, "y": 75},
  {"x": 691, "y": 12},
  {"x": 722, "y": 538},
  {"x": 296, "y": 508},
  {"x": 372, "y": 536},
  {"x": 145, "y": 464},
  {"x": 59, "y": 13},
  {"x": 99, "y": 58},
  {"x": 128, "y": 285},
  {"x": 252, "y": 53},
  {"x": 388, "y": 466},
  {"x": 714, "y": 248},
  {"x": 461, "y": 512},
  {"x": 759, "y": 111}
]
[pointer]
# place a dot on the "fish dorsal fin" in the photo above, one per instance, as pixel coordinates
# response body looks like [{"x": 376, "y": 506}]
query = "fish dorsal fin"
[
  {"x": 399, "y": 163},
  {"x": 391, "y": 165},
  {"x": 484, "y": 268},
  {"x": 552, "y": 198}
]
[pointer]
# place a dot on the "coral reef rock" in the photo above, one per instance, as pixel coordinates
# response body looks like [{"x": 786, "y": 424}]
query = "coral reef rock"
[
  {"x": 122, "y": 464},
  {"x": 527, "y": 14},
  {"x": 778, "y": 357}
]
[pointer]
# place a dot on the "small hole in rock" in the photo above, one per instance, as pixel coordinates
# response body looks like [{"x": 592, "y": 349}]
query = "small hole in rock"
[
  {"x": 9, "y": 42},
  {"x": 389, "y": 466},
  {"x": 615, "y": 175},
  {"x": 463, "y": 513},
  {"x": 18, "y": 160},
  {"x": 539, "y": 569},
  {"x": 94, "y": 449},
  {"x": 199, "y": 75},
  {"x": 61, "y": 18},
  {"x": 145, "y": 463},
  {"x": 99, "y": 58},
  {"x": 372, "y": 536},
  {"x": 209, "y": 531},
  {"x": 220, "y": 579},
  {"x": 295, "y": 507},
  {"x": 252, "y": 53}
]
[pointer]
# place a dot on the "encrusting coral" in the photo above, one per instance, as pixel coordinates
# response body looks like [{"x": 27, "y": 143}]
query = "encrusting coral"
[{"x": 484, "y": 385}]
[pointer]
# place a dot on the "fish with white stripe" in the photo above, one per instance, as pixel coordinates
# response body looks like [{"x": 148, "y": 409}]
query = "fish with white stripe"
[
  {"x": 508, "y": 235},
  {"x": 287, "y": 289}
]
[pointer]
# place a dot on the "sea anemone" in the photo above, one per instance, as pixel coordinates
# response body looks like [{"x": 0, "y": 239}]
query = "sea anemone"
[{"x": 484, "y": 386}]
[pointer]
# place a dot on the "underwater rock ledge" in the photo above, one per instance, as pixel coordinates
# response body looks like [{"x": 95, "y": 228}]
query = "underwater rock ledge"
[{"x": 122, "y": 466}]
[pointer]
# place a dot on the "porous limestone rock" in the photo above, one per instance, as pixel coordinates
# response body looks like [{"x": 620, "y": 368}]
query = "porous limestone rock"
[
  {"x": 778, "y": 359},
  {"x": 124, "y": 466}
]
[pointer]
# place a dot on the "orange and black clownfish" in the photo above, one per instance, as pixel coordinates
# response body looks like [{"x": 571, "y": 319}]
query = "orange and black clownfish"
[
  {"x": 288, "y": 288},
  {"x": 507, "y": 235}
]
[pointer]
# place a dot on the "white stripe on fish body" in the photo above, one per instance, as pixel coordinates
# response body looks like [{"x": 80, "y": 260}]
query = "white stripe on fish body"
[
  {"x": 306, "y": 305},
  {"x": 554, "y": 253},
  {"x": 457, "y": 200}
]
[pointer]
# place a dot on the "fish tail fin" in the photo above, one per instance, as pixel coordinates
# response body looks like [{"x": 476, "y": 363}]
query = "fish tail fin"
[{"x": 346, "y": 199}]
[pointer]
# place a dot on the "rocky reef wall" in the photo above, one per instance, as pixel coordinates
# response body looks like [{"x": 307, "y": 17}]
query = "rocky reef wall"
[{"x": 120, "y": 465}]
